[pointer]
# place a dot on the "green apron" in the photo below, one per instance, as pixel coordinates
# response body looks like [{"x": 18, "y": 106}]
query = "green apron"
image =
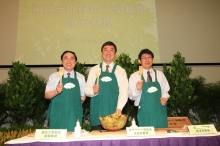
[
  {"x": 151, "y": 112},
  {"x": 66, "y": 107},
  {"x": 105, "y": 102}
]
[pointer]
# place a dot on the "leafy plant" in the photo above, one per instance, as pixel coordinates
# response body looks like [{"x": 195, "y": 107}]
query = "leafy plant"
[
  {"x": 181, "y": 89},
  {"x": 81, "y": 69},
  {"x": 215, "y": 94},
  {"x": 201, "y": 107},
  {"x": 206, "y": 107},
  {"x": 19, "y": 94},
  {"x": 23, "y": 97},
  {"x": 41, "y": 104},
  {"x": 124, "y": 61},
  {"x": 86, "y": 126},
  {"x": 3, "y": 115},
  {"x": 7, "y": 134}
]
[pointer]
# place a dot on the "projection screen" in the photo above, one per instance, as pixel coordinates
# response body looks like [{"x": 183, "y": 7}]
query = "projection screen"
[{"x": 46, "y": 28}]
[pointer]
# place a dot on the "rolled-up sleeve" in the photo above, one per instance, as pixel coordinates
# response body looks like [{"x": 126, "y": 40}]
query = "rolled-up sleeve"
[
  {"x": 123, "y": 87},
  {"x": 82, "y": 83},
  {"x": 133, "y": 93},
  {"x": 91, "y": 81},
  {"x": 52, "y": 82}
]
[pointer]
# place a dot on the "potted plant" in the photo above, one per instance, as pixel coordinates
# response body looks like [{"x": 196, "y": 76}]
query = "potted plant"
[{"x": 181, "y": 88}]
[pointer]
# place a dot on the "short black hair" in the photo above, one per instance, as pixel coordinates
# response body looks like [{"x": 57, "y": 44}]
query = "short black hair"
[
  {"x": 109, "y": 43},
  {"x": 69, "y": 52},
  {"x": 145, "y": 51}
]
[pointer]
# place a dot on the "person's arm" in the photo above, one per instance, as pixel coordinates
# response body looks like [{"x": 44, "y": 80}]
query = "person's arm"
[
  {"x": 164, "y": 89},
  {"x": 83, "y": 98},
  {"x": 53, "y": 93},
  {"x": 90, "y": 84},
  {"x": 82, "y": 85},
  {"x": 135, "y": 88},
  {"x": 52, "y": 87},
  {"x": 123, "y": 88}
]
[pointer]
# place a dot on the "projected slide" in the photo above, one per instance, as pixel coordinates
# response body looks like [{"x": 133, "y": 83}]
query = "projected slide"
[{"x": 46, "y": 28}]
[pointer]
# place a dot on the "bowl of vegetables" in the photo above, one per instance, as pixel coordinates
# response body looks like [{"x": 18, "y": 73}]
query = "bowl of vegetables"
[{"x": 113, "y": 122}]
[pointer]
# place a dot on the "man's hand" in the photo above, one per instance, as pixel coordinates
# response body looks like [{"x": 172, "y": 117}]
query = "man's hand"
[
  {"x": 118, "y": 111},
  {"x": 139, "y": 85},
  {"x": 96, "y": 88},
  {"x": 163, "y": 101},
  {"x": 59, "y": 88}
]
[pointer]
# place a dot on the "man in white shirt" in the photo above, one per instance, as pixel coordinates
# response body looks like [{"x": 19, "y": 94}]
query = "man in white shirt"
[
  {"x": 150, "y": 95},
  {"x": 109, "y": 91},
  {"x": 66, "y": 96}
]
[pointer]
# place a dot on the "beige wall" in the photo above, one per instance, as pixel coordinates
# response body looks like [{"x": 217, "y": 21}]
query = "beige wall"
[
  {"x": 189, "y": 26},
  {"x": 8, "y": 30}
]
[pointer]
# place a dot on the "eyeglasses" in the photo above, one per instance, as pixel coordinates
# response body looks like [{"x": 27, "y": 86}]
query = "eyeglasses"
[{"x": 146, "y": 58}]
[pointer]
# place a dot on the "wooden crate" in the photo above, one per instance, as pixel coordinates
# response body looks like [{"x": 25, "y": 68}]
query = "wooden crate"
[
  {"x": 178, "y": 122},
  {"x": 175, "y": 123}
]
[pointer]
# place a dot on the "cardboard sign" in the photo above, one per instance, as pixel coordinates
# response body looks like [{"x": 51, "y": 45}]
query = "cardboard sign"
[
  {"x": 202, "y": 129},
  {"x": 46, "y": 134},
  {"x": 140, "y": 131},
  {"x": 178, "y": 122}
]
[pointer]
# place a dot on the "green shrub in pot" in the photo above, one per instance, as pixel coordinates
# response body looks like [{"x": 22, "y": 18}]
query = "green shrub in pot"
[
  {"x": 181, "y": 88},
  {"x": 19, "y": 94},
  {"x": 3, "y": 115}
]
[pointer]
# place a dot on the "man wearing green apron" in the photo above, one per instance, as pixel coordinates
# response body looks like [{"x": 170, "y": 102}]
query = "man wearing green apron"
[
  {"x": 150, "y": 92},
  {"x": 66, "y": 95},
  {"x": 109, "y": 91}
]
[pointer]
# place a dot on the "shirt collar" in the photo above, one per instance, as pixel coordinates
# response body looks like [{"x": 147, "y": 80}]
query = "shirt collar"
[
  {"x": 71, "y": 74},
  {"x": 145, "y": 71},
  {"x": 110, "y": 66}
]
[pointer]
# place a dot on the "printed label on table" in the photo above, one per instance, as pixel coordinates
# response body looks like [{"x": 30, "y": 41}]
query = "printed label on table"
[
  {"x": 45, "y": 134},
  {"x": 202, "y": 129},
  {"x": 140, "y": 131}
]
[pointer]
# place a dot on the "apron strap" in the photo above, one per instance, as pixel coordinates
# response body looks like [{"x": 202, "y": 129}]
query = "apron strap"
[
  {"x": 113, "y": 70},
  {"x": 155, "y": 75},
  {"x": 100, "y": 65},
  {"x": 75, "y": 76}
]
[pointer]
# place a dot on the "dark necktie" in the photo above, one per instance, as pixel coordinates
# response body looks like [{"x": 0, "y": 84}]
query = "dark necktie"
[
  {"x": 68, "y": 75},
  {"x": 149, "y": 79},
  {"x": 107, "y": 66}
]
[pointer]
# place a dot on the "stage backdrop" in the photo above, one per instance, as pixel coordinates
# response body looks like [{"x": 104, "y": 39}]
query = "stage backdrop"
[{"x": 47, "y": 28}]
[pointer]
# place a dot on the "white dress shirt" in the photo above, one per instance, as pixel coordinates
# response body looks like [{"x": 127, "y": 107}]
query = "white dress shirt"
[
  {"x": 121, "y": 78},
  {"x": 54, "y": 79},
  {"x": 135, "y": 94}
]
